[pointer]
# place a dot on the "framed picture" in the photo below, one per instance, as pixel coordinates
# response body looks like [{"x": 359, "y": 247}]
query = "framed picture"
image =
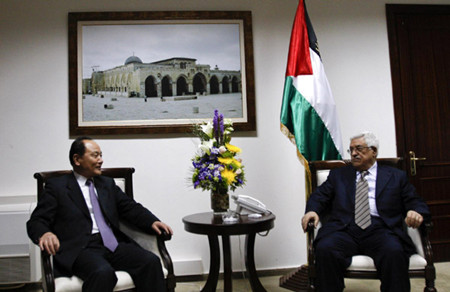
[{"x": 159, "y": 72}]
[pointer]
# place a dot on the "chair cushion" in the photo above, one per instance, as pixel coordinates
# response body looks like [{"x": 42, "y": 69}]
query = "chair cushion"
[
  {"x": 322, "y": 176},
  {"x": 120, "y": 182},
  {"x": 414, "y": 234},
  {"x": 124, "y": 281},
  {"x": 365, "y": 263},
  {"x": 74, "y": 284},
  {"x": 417, "y": 262},
  {"x": 361, "y": 263}
]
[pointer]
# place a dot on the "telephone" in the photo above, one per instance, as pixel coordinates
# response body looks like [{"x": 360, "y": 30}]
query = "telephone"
[{"x": 248, "y": 205}]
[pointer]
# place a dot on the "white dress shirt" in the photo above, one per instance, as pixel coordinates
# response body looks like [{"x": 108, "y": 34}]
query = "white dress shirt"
[{"x": 85, "y": 190}]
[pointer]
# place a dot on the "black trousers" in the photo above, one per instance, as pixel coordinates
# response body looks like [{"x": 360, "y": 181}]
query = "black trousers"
[
  {"x": 334, "y": 253},
  {"x": 96, "y": 266}
]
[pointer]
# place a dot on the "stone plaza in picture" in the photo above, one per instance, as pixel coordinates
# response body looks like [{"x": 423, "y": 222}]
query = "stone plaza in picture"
[
  {"x": 176, "y": 88},
  {"x": 110, "y": 108}
]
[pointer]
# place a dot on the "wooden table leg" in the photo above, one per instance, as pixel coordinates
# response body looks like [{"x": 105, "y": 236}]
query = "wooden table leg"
[
  {"x": 250, "y": 263},
  {"x": 227, "y": 279},
  {"x": 214, "y": 264}
]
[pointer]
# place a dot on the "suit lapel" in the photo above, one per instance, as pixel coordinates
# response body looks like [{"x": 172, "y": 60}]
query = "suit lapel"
[
  {"x": 350, "y": 183},
  {"x": 74, "y": 192},
  {"x": 383, "y": 176}
]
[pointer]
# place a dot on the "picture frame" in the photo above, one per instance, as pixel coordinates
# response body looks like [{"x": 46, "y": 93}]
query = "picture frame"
[{"x": 155, "y": 72}]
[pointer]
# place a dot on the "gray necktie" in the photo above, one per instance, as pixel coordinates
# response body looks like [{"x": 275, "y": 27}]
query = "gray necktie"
[
  {"x": 109, "y": 240},
  {"x": 362, "y": 208}
]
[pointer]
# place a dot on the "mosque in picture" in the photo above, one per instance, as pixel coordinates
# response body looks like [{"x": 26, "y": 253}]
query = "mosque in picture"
[{"x": 170, "y": 77}]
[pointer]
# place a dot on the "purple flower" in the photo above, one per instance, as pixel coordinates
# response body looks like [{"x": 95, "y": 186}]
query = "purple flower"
[
  {"x": 216, "y": 125},
  {"x": 221, "y": 129}
]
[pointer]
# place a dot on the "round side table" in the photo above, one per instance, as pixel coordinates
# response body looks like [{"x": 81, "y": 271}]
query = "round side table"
[{"x": 213, "y": 226}]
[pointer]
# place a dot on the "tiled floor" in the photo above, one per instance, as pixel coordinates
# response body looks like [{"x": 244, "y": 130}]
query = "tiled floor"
[
  {"x": 352, "y": 285},
  {"x": 272, "y": 284}
]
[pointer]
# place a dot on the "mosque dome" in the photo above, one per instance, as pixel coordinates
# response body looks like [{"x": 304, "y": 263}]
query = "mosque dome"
[{"x": 133, "y": 59}]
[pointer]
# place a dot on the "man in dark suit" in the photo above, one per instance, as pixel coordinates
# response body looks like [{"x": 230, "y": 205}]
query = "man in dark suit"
[
  {"x": 66, "y": 224},
  {"x": 380, "y": 235}
]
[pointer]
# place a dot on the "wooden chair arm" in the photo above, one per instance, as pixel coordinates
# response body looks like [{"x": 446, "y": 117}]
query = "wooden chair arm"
[
  {"x": 310, "y": 229},
  {"x": 48, "y": 278},
  {"x": 430, "y": 270},
  {"x": 167, "y": 260},
  {"x": 425, "y": 230},
  {"x": 164, "y": 236},
  {"x": 310, "y": 240}
]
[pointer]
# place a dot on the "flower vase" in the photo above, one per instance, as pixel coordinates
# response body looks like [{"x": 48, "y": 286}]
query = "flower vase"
[{"x": 220, "y": 201}]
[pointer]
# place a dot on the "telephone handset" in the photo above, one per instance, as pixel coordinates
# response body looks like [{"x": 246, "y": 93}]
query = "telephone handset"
[{"x": 248, "y": 205}]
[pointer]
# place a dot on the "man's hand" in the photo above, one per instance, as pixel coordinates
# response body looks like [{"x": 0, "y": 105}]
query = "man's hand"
[
  {"x": 308, "y": 216},
  {"x": 413, "y": 219},
  {"x": 49, "y": 242},
  {"x": 158, "y": 226}
]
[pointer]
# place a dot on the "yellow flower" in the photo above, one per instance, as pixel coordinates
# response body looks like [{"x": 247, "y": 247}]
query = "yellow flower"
[
  {"x": 226, "y": 161},
  {"x": 229, "y": 176},
  {"x": 230, "y": 161},
  {"x": 233, "y": 148}
]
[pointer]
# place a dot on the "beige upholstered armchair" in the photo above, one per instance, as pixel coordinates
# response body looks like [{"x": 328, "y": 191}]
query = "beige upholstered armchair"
[{"x": 154, "y": 243}]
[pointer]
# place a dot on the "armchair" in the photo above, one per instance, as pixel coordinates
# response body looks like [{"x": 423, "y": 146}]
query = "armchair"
[
  {"x": 362, "y": 267},
  {"x": 156, "y": 244}
]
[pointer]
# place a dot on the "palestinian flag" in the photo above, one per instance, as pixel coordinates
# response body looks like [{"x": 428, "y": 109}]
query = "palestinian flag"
[{"x": 308, "y": 112}]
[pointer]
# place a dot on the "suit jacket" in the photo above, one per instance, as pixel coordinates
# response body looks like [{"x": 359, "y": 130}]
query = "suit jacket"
[
  {"x": 395, "y": 196},
  {"x": 63, "y": 211}
]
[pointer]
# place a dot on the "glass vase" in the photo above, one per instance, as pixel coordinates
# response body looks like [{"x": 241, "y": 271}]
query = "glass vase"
[{"x": 220, "y": 201}]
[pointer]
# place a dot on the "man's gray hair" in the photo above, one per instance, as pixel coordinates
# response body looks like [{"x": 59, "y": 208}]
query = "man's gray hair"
[{"x": 369, "y": 137}]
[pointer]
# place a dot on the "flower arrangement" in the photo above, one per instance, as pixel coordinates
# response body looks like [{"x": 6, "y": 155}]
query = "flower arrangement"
[{"x": 216, "y": 167}]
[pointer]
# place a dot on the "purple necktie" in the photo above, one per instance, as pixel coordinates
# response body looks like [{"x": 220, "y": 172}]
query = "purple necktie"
[{"x": 109, "y": 240}]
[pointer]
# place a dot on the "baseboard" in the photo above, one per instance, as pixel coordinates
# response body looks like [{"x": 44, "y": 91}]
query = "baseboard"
[{"x": 21, "y": 287}]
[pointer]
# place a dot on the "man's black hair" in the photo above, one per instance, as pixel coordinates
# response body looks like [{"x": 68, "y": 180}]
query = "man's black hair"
[{"x": 78, "y": 148}]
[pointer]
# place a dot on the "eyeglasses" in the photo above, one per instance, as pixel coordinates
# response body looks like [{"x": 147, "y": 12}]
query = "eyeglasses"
[
  {"x": 358, "y": 149},
  {"x": 96, "y": 154}
]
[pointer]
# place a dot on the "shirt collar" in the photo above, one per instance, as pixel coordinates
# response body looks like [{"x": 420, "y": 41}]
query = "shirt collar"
[
  {"x": 371, "y": 171},
  {"x": 80, "y": 179}
]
